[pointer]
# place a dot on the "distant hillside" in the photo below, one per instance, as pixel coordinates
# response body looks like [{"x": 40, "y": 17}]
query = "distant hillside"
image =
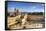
[{"x": 33, "y": 13}]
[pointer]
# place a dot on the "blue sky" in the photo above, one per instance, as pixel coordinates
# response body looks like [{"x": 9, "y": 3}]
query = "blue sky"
[
  {"x": 25, "y": 7},
  {"x": 11, "y": 0}
]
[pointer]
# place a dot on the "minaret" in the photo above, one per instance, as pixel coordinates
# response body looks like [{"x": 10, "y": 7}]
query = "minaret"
[{"x": 16, "y": 11}]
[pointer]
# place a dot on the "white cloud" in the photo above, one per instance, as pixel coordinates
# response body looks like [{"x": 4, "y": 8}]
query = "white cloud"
[
  {"x": 38, "y": 10},
  {"x": 10, "y": 9}
]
